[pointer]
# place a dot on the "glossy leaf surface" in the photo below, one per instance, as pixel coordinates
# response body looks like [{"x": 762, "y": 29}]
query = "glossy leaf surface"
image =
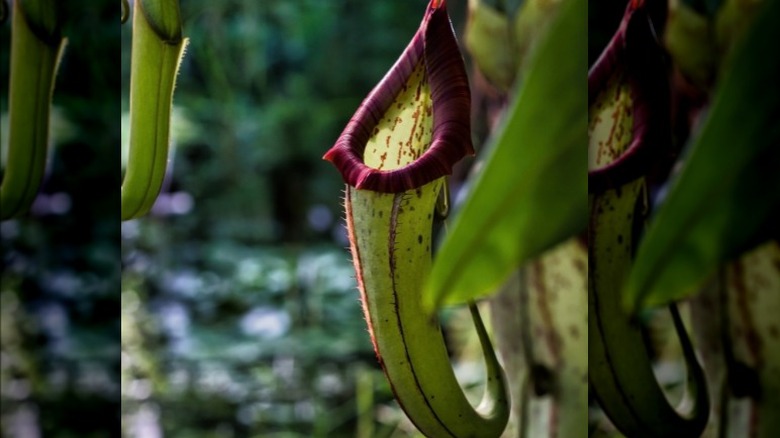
[
  {"x": 532, "y": 191},
  {"x": 728, "y": 191}
]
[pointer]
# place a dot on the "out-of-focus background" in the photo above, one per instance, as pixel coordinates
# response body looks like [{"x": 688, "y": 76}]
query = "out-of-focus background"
[
  {"x": 240, "y": 314},
  {"x": 60, "y": 267}
]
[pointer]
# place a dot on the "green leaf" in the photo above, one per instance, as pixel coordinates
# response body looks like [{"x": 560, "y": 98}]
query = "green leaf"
[
  {"x": 532, "y": 191},
  {"x": 727, "y": 192}
]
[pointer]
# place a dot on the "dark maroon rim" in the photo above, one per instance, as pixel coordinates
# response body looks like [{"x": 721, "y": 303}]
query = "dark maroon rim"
[
  {"x": 436, "y": 46},
  {"x": 635, "y": 48}
]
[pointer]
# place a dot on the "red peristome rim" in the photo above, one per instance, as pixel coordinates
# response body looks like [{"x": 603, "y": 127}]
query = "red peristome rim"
[
  {"x": 435, "y": 44},
  {"x": 635, "y": 48}
]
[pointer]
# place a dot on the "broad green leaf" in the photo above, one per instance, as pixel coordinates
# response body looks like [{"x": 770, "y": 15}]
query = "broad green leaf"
[
  {"x": 532, "y": 191},
  {"x": 729, "y": 188}
]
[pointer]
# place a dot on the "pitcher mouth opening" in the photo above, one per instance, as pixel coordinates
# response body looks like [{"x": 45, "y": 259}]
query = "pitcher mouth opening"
[
  {"x": 434, "y": 45},
  {"x": 635, "y": 49}
]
